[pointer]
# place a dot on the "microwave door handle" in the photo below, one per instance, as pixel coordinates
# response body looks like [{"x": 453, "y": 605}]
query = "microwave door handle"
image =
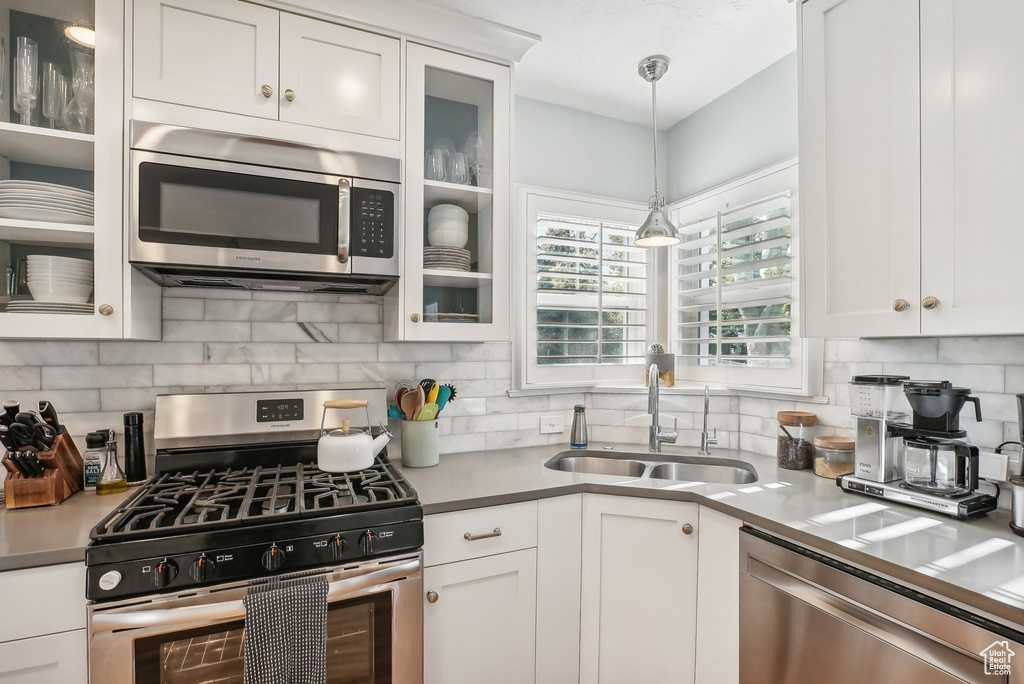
[
  {"x": 228, "y": 610},
  {"x": 344, "y": 219}
]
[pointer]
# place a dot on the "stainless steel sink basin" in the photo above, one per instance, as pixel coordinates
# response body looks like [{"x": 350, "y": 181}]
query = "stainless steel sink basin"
[
  {"x": 659, "y": 466},
  {"x": 598, "y": 466}
]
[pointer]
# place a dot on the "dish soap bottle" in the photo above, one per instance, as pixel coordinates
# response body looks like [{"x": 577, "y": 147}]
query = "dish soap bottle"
[{"x": 113, "y": 480}]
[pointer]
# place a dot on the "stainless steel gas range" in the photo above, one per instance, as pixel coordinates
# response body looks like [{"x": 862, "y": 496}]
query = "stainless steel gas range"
[{"x": 238, "y": 499}]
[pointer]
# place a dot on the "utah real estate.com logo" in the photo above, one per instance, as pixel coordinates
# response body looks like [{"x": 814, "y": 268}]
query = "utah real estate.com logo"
[{"x": 997, "y": 658}]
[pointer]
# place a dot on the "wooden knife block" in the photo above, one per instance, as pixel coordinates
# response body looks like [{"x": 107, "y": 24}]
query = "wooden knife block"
[{"x": 61, "y": 478}]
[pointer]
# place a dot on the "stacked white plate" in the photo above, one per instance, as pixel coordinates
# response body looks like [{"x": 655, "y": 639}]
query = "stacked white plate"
[
  {"x": 59, "y": 280},
  {"x": 37, "y": 201}
]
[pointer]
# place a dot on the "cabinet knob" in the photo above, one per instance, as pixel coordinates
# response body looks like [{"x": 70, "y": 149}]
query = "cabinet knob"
[
  {"x": 930, "y": 302},
  {"x": 687, "y": 528},
  {"x": 106, "y": 309},
  {"x": 267, "y": 91},
  {"x": 900, "y": 305},
  {"x": 431, "y": 597},
  {"x": 289, "y": 94},
  {"x": 415, "y": 318}
]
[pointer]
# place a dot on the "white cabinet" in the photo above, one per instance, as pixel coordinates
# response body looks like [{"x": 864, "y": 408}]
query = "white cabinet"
[
  {"x": 240, "y": 58},
  {"x": 337, "y": 77},
  {"x": 972, "y": 141},
  {"x": 479, "y": 621},
  {"x": 53, "y": 659},
  {"x": 860, "y": 167},
  {"x": 455, "y": 283},
  {"x": 718, "y": 599},
  {"x": 908, "y": 169},
  {"x": 639, "y": 590},
  {"x": 214, "y": 54},
  {"x": 559, "y": 559}
]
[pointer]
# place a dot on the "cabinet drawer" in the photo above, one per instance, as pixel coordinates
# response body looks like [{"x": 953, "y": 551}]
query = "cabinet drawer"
[
  {"x": 42, "y": 600},
  {"x": 54, "y": 659},
  {"x": 444, "y": 535}
]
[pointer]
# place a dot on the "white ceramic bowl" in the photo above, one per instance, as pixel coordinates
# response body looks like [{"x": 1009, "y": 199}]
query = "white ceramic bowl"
[
  {"x": 448, "y": 237},
  {"x": 60, "y": 292},
  {"x": 59, "y": 281},
  {"x": 447, "y": 211},
  {"x": 69, "y": 261},
  {"x": 58, "y": 273}
]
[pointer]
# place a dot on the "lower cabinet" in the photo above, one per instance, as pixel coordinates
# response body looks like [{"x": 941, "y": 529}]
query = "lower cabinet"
[
  {"x": 51, "y": 659},
  {"x": 639, "y": 590},
  {"x": 479, "y": 621}
]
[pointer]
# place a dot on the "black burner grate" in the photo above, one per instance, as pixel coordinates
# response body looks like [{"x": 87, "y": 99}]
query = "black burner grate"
[{"x": 198, "y": 501}]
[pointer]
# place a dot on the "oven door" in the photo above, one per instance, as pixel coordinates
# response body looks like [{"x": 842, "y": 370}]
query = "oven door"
[
  {"x": 374, "y": 631},
  {"x": 206, "y": 212}
]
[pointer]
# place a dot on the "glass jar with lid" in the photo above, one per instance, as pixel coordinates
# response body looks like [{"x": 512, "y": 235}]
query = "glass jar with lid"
[
  {"x": 833, "y": 456},
  {"x": 796, "y": 439}
]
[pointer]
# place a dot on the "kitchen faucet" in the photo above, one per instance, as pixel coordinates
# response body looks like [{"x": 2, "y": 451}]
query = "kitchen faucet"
[
  {"x": 656, "y": 435},
  {"x": 706, "y": 441}
]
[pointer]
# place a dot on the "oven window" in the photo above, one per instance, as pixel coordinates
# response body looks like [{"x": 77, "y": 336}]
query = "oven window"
[
  {"x": 193, "y": 206},
  {"x": 358, "y": 648}
]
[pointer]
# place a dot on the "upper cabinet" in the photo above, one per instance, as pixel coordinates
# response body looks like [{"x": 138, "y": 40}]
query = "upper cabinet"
[
  {"x": 235, "y": 57},
  {"x": 455, "y": 280},
  {"x": 907, "y": 159}
]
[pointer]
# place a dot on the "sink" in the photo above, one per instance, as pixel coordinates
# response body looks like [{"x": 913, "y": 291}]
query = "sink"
[
  {"x": 659, "y": 466},
  {"x": 598, "y": 465}
]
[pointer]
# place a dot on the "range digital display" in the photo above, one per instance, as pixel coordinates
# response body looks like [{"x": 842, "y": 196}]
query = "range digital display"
[{"x": 278, "y": 410}]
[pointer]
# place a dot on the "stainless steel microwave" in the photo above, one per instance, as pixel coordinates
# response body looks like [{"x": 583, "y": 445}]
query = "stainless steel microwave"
[{"x": 210, "y": 209}]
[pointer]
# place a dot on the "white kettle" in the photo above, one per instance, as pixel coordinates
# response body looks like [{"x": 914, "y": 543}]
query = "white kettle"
[{"x": 348, "y": 449}]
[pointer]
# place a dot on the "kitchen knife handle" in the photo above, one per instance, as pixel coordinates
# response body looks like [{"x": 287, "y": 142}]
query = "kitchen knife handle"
[{"x": 345, "y": 403}]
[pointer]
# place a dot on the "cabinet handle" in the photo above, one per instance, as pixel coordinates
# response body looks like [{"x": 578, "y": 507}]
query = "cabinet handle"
[
  {"x": 106, "y": 309},
  {"x": 488, "y": 535},
  {"x": 930, "y": 302},
  {"x": 431, "y": 597},
  {"x": 415, "y": 318},
  {"x": 900, "y": 305},
  {"x": 687, "y": 528},
  {"x": 289, "y": 94},
  {"x": 267, "y": 91}
]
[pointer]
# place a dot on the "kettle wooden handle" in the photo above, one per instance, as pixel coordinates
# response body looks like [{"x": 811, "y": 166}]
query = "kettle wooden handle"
[{"x": 345, "y": 403}]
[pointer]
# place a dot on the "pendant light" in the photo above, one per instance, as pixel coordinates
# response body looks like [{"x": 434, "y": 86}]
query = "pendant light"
[{"x": 657, "y": 230}]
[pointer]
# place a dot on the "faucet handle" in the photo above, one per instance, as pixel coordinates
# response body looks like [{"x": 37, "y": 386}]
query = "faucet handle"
[{"x": 714, "y": 440}]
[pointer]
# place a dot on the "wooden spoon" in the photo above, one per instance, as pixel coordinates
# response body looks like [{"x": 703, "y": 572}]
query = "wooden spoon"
[{"x": 410, "y": 404}]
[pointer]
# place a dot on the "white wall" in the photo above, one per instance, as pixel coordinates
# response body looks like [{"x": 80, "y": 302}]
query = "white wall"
[
  {"x": 751, "y": 126},
  {"x": 569, "y": 149}
]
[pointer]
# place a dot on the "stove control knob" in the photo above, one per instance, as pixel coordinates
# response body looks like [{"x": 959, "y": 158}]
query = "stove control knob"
[
  {"x": 202, "y": 568},
  {"x": 367, "y": 542},
  {"x": 163, "y": 573},
  {"x": 273, "y": 558},
  {"x": 336, "y": 548}
]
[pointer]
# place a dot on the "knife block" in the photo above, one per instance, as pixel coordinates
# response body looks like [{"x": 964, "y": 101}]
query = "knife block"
[{"x": 62, "y": 477}]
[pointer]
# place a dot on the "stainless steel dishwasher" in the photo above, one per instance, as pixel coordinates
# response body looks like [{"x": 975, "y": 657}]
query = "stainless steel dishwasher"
[{"x": 805, "y": 617}]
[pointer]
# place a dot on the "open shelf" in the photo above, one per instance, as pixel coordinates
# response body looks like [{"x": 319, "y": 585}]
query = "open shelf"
[
  {"x": 44, "y": 232},
  {"x": 469, "y": 197},
  {"x": 439, "y": 277},
  {"x": 45, "y": 146}
]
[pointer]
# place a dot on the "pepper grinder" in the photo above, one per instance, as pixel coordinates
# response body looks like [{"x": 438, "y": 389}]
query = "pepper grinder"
[{"x": 134, "y": 448}]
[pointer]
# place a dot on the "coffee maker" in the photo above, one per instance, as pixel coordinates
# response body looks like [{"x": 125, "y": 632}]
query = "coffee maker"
[{"x": 925, "y": 462}]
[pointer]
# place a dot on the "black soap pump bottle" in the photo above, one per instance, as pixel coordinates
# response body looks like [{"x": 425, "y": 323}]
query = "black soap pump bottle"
[{"x": 134, "y": 448}]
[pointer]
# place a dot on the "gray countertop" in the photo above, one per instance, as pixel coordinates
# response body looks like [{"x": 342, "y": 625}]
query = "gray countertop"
[{"x": 979, "y": 564}]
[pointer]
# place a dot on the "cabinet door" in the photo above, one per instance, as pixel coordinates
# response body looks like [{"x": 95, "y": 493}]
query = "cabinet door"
[
  {"x": 482, "y": 626},
  {"x": 337, "y": 77},
  {"x": 972, "y": 143},
  {"x": 54, "y": 659},
  {"x": 639, "y": 590},
  {"x": 860, "y": 167},
  {"x": 455, "y": 285},
  {"x": 214, "y": 54}
]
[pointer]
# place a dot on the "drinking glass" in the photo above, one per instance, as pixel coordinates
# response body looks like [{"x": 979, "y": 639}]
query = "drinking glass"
[
  {"x": 52, "y": 95},
  {"x": 434, "y": 166},
  {"x": 78, "y": 115},
  {"x": 457, "y": 170},
  {"x": 26, "y": 78},
  {"x": 3, "y": 69}
]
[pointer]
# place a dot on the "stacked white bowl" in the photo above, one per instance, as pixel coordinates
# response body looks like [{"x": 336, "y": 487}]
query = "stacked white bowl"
[
  {"x": 59, "y": 279},
  {"x": 448, "y": 226}
]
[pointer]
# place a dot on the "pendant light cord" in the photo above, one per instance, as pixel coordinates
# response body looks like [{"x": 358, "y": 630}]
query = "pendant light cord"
[{"x": 654, "y": 109}]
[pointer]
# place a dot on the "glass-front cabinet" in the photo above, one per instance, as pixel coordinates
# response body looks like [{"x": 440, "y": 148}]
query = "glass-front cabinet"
[
  {"x": 457, "y": 256},
  {"x": 61, "y": 123}
]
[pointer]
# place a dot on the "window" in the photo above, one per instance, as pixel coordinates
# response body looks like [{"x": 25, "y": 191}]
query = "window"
[
  {"x": 588, "y": 289},
  {"x": 732, "y": 304}
]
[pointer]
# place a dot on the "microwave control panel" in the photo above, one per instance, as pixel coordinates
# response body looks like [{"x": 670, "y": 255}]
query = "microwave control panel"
[{"x": 373, "y": 223}]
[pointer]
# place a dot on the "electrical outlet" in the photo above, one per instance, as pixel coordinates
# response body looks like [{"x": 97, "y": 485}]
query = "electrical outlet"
[
  {"x": 993, "y": 466},
  {"x": 551, "y": 424}
]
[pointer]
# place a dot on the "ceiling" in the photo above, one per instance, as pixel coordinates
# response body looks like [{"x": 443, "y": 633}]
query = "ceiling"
[{"x": 590, "y": 49}]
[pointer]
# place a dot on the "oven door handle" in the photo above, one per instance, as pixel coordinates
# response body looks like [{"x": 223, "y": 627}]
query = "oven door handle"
[
  {"x": 227, "y": 610},
  {"x": 344, "y": 219}
]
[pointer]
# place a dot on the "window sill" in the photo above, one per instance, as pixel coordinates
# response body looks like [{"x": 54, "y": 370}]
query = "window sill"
[{"x": 679, "y": 389}]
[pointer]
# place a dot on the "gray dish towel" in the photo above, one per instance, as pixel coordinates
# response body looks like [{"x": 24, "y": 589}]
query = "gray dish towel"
[{"x": 286, "y": 632}]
